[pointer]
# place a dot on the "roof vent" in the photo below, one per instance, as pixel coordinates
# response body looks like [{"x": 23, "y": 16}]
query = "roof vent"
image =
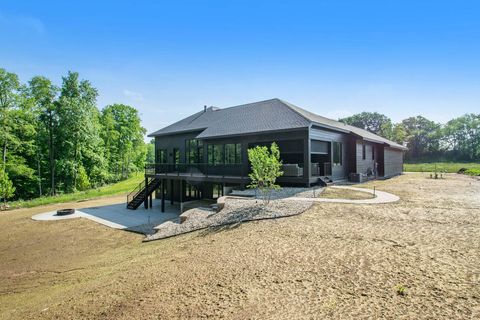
[{"x": 205, "y": 108}]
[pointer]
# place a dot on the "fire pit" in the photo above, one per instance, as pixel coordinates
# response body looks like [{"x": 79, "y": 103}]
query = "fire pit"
[{"x": 64, "y": 212}]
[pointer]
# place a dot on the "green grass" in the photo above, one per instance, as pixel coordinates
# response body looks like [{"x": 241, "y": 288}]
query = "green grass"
[
  {"x": 122, "y": 187},
  {"x": 473, "y": 172},
  {"x": 451, "y": 167}
]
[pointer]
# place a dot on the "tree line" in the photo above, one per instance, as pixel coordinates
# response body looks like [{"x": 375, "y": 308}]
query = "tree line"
[
  {"x": 456, "y": 140},
  {"x": 54, "y": 139}
]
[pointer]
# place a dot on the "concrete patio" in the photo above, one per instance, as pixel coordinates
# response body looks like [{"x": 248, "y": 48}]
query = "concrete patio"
[{"x": 119, "y": 217}]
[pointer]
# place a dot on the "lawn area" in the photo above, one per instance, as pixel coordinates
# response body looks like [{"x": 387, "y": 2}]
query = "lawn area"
[
  {"x": 338, "y": 261},
  {"x": 451, "y": 167},
  {"x": 122, "y": 187}
]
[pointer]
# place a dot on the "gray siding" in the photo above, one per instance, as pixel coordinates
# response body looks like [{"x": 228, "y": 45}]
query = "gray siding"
[
  {"x": 339, "y": 172},
  {"x": 176, "y": 141},
  {"x": 393, "y": 162},
  {"x": 363, "y": 165}
]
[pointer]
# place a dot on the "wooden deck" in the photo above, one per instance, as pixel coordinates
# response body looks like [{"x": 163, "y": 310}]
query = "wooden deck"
[{"x": 199, "y": 177}]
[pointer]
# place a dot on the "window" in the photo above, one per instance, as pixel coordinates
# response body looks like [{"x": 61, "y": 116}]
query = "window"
[
  {"x": 161, "y": 156},
  {"x": 193, "y": 151},
  {"x": 337, "y": 153},
  {"x": 238, "y": 153},
  {"x": 176, "y": 156},
  {"x": 210, "y": 154},
  {"x": 233, "y": 153},
  {"x": 364, "y": 151},
  {"x": 216, "y": 154},
  {"x": 230, "y": 153}
]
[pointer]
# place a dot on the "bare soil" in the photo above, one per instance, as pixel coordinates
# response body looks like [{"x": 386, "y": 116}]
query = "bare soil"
[
  {"x": 333, "y": 193},
  {"x": 333, "y": 261}
]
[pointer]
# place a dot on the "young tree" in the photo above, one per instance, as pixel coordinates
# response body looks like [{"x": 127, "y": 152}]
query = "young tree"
[
  {"x": 266, "y": 168},
  {"x": 7, "y": 190}
]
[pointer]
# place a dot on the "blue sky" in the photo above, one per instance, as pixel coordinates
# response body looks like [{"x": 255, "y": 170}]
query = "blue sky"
[{"x": 335, "y": 58}]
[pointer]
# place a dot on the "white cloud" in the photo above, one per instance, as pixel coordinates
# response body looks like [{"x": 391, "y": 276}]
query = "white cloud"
[
  {"x": 16, "y": 22},
  {"x": 135, "y": 96}
]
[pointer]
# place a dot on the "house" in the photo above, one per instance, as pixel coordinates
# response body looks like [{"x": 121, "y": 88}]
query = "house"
[{"x": 206, "y": 153}]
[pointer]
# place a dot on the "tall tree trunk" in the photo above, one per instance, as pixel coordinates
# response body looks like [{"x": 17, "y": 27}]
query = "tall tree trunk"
[
  {"x": 39, "y": 173},
  {"x": 51, "y": 154},
  {"x": 4, "y": 171},
  {"x": 75, "y": 167},
  {"x": 128, "y": 168}
]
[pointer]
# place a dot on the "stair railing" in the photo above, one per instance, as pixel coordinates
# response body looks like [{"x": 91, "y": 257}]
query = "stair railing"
[{"x": 135, "y": 192}]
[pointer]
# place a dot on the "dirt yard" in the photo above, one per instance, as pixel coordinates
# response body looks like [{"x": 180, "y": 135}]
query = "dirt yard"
[
  {"x": 334, "y": 261},
  {"x": 332, "y": 193}
]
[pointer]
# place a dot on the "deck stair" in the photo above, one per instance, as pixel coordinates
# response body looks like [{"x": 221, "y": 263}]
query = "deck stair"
[{"x": 140, "y": 193}]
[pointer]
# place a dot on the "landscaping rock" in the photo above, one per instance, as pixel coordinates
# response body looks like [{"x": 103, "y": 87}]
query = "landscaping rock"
[{"x": 235, "y": 210}]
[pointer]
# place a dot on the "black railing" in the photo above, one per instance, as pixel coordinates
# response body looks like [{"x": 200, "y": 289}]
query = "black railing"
[
  {"x": 135, "y": 191},
  {"x": 195, "y": 169}
]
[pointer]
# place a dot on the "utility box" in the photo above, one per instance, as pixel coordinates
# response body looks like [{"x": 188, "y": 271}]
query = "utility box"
[{"x": 355, "y": 177}]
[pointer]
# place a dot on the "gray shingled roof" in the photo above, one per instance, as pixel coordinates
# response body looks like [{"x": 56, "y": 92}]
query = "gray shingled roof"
[{"x": 262, "y": 116}]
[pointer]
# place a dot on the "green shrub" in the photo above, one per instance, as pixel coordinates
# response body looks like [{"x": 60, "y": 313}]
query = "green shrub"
[
  {"x": 83, "y": 182},
  {"x": 401, "y": 290},
  {"x": 473, "y": 172}
]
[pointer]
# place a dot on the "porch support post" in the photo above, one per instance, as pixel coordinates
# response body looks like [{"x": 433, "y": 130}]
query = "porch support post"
[
  {"x": 306, "y": 159},
  {"x": 151, "y": 200},
  {"x": 181, "y": 195},
  {"x": 171, "y": 191},
  {"x": 145, "y": 202},
  {"x": 163, "y": 195}
]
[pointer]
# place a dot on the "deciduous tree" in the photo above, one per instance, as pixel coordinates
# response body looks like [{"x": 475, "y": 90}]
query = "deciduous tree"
[{"x": 265, "y": 169}]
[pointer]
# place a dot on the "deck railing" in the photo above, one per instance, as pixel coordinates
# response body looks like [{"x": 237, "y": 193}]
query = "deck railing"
[
  {"x": 192, "y": 169},
  {"x": 321, "y": 169},
  {"x": 205, "y": 169}
]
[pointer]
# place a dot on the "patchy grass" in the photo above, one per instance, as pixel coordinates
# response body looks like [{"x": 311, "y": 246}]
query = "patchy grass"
[
  {"x": 334, "y": 193},
  {"x": 401, "y": 290},
  {"x": 450, "y": 167},
  {"x": 122, "y": 187}
]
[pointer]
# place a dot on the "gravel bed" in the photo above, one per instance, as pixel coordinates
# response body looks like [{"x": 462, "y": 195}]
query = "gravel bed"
[
  {"x": 286, "y": 192},
  {"x": 235, "y": 211}
]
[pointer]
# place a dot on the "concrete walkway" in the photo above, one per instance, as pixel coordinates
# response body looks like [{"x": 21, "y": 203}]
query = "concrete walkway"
[
  {"x": 117, "y": 216},
  {"x": 380, "y": 197}
]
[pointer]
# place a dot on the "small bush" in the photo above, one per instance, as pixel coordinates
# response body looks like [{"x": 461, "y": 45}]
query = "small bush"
[{"x": 401, "y": 290}]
